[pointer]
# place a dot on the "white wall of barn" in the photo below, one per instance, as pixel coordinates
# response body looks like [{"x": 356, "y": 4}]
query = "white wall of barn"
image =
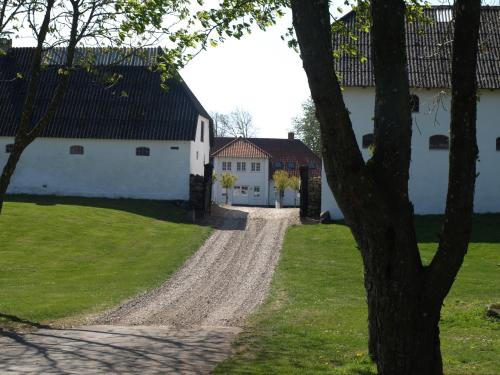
[
  {"x": 200, "y": 150},
  {"x": 108, "y": 168},
  {"x": 429, "y": 168}
]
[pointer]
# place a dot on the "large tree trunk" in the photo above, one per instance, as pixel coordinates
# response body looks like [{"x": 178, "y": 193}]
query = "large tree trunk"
[{"x": 404, "y": 297}]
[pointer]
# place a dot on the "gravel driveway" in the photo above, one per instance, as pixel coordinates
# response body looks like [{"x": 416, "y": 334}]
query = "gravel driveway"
[{"x": 184, "y": 326}]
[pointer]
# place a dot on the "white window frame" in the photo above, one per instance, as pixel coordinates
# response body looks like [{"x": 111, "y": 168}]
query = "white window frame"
[
  {"x": 244, "y": 190},
  {"x": 256, "y": 191}
]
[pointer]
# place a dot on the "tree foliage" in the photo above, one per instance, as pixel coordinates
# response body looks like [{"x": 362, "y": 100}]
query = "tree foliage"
[{"x": 306, "y": 127}]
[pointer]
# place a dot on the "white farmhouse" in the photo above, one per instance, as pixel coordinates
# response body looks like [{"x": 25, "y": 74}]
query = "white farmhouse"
[
  {"x": 130, "y": 139},
  {"x": 254, "y": 161},
  {"x": 429, "y": 69}
]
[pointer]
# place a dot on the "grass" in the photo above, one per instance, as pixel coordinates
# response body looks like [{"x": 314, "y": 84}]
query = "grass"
[
  {"x": 315, "y": 320},
  {"x": 62, "y": 257}
]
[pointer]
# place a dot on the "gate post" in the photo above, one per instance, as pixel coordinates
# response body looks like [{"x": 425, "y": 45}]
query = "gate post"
[
  {"x": 304, "y": 190},
  {"x": 207, "y": 193}
]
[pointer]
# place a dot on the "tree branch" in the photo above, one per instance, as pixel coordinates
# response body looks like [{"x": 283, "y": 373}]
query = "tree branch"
[{"x": 455, "y": 235}]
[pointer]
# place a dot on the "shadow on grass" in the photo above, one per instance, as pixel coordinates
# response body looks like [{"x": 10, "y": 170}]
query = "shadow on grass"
[
  {"x": 172, "y": 211},
  {"x": 485, "y": 228},
  {"x": 20, "y": 321}
]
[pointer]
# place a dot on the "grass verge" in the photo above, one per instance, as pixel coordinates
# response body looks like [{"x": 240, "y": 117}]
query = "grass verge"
[
  {"x": 61, "y": 257},
  {"x": 315, "y": 320}
]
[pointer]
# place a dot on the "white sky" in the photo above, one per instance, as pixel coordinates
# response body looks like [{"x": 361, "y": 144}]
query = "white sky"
[{"x": 258, "y": 73}]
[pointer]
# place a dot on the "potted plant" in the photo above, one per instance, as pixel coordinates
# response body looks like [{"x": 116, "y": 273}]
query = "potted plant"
[
  {"x": 227, "y": 181},
  {"x": 281, "y": 181}
]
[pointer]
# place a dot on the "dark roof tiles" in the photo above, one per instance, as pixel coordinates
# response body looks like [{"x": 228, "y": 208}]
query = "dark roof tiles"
[
  {"x": 135, "y": 107},
  {"x": 429, "y": 51}
]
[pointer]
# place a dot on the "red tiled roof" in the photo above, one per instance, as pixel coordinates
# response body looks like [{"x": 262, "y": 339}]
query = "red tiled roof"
[
  {"x": 285, "y": 151},
  {"x": 240, "y": 148}
]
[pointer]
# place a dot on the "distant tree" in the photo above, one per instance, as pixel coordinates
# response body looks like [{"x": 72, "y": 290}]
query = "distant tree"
[
  {"x": 294, "y": 184},
  {"x": 306, "y": 127},
  {"x": 221, "y": 124},
  {"x": 227, "y": 181},
  {"x": 281, "y": 182},
  {"x": 238, "y": 123}
]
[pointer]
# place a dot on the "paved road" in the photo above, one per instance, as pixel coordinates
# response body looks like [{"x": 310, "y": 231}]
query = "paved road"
[{"x": 185, "y": 326}]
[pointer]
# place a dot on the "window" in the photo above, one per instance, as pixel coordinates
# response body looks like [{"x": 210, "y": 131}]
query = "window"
[
  {"x": 76, "y": 150},
  {"x": 439, "y": 142},
  {"x": 197, "y": 155},
  {"x": 498, "y": 144},
  {"x": 226, "y": 165},
  {"x": 311, "y": 165},
  {"x": 255, "y": 167},
  {"x": 244, "y": 191},
  {"x": 367, "y": 140},
  {"x": 142, "y": 151},
  {"x": 291, "y": 165},
  {"x": 256, "y": 191},
  {"x": 241, "y": 166},
  {"x": 202, "y": 136},
  {"x": 414, "y": 103},
  {"x": 237, "y": 191},
  {"x": 174, "y": 147},
  {"x": 9, "y": 148},
  {"x": 278, "y": 165}
]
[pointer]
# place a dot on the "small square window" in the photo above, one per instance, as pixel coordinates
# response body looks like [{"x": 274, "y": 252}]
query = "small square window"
[
  {"x": 226, "y": 165},
  {"x": 244, "y": 190},
  {"x": 256, "y": 191},
  {"x": 255, "y": 167},
  {"x": 76, "y": 150},
  {"x": 142, "y": 151},
  {"x": 278, "y": 165},
  {"x": 311, "y": 165}
]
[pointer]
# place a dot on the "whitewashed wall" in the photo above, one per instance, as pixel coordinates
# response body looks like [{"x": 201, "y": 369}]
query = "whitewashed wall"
[
  {"x": 248, "y": 178},
  {"x": 429, "y": 168},
  {"x": 108, "y": 168},
  {"x": 200, "y": 151}
]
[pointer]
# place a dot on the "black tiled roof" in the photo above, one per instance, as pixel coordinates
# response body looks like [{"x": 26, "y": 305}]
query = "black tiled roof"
[
  {"x": 429, "y": 51},
  {"x": 134, "y": 108}
]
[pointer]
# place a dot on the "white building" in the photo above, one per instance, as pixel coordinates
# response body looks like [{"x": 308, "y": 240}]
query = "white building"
[
  {"x": 254, "y": 161},
  {"x": 431, "y": 102},
  {"x": 133, "y": 140}
]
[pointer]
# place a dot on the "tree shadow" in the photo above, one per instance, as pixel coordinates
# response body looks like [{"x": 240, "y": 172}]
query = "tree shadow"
[
  {"x": 156, "y": 209},
  {"x": 20, "y": 321},
  {"x": 107, "y": 349},
  {"x": 173, "y": 211},
  {"x": 485, "y": 228}
]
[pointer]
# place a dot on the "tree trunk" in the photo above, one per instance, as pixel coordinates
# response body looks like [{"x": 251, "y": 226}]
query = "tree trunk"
[
  {"x": 404, "y": 297},
  {"x": 9, "y": 168}
]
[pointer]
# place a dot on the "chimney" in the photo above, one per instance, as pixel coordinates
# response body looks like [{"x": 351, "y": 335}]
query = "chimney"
[
  {"x": 5, "y": 44},
  {"x": 291, "y": 136}
]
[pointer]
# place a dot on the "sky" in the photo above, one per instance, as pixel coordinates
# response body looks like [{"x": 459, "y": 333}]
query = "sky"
[{"x": 259, "y": 74}]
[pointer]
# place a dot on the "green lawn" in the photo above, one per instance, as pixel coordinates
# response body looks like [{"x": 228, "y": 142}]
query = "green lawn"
[
  {"x": 62, "y": 257},
  {"x": 315, "y": 321}
]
